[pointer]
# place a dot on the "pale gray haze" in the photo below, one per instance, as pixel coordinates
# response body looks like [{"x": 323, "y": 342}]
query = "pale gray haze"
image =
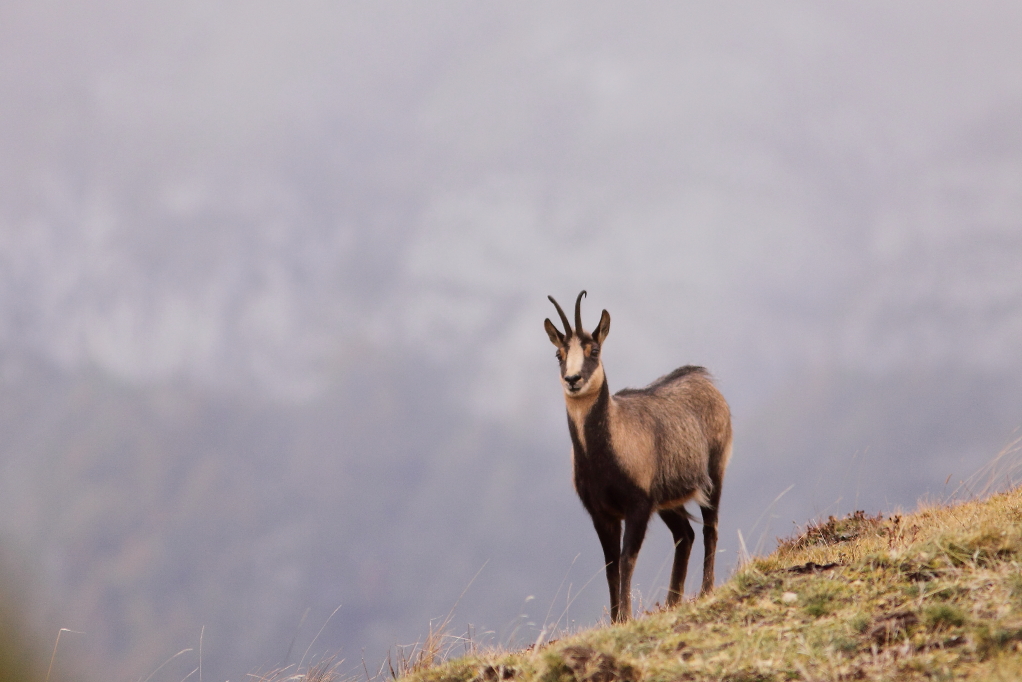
[{"x": 273, "y": 278}]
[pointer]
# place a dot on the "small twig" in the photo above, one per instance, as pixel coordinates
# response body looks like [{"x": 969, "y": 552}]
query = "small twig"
[
  {"x": 183, "y": 651},
  {"x": 769, "y": 508},
  {"x": 54, "y": 654},
  {"x": 297, "y": 632},
  {"x": 546, "y": 620},
  {"x": 743, "y": 552},
  {"x": 365, "y": 667},
  {"x": 317, "y": 636},
  {"x": 568, "y": 605}
]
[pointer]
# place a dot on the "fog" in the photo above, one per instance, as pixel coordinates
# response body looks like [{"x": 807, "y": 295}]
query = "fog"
[{"x": 273, "y": 278}]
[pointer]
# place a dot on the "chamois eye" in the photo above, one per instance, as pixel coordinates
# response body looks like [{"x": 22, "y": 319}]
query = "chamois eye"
[{"x": 594, "y": 352}]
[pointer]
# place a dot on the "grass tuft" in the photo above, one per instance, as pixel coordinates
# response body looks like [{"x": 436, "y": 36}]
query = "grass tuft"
[{"x": 943, "y": 617}]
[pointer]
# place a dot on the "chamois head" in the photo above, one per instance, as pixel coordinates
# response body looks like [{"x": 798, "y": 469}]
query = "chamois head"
[{"x": 578, "y": 352}]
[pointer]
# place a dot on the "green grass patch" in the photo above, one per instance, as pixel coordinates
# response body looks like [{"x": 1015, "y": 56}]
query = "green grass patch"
[{"x": 932, "y": 595}]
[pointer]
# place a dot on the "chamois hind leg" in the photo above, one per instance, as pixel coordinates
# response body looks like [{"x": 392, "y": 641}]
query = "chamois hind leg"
[
  {"x": 710, "y": 538},
  {"x": 684, "y": 536},
  {"x": 609, "y": 530},
  {"x": 635, "y": 532}
]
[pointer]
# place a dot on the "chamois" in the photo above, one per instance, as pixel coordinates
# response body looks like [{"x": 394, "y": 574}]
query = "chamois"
[{"x": 642, "y": 451}]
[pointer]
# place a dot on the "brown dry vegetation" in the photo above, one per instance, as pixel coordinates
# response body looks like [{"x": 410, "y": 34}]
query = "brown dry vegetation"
[{"x": 936, "y": 594}]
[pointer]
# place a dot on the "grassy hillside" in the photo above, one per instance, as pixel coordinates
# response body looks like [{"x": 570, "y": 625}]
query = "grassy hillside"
[{"x": 936, "y": 594}]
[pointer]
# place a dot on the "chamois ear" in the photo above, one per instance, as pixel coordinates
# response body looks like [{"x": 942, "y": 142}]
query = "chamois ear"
[
  {"x": 556, "y": 337},
  {"x": 603, "y": 328}
]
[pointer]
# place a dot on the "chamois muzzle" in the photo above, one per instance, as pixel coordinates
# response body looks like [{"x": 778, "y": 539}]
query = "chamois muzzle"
[{"x": 573, "y": 382}]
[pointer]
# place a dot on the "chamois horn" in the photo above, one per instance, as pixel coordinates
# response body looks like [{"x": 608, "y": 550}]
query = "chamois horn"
[
  {"x": 564, "y": 318},
  {"x": 578, "y": 311}
]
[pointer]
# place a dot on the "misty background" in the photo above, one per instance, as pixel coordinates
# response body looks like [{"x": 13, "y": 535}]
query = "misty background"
[{"x": 273, "y": 278}]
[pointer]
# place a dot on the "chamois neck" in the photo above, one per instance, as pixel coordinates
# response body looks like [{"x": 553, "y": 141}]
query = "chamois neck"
[{"x": 582, "y": 408}]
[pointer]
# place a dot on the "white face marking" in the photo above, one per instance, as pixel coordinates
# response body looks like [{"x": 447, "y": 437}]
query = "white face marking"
[{"x": 573, "y": 365}]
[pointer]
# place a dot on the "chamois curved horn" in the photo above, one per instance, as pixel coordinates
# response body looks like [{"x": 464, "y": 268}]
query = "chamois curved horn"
[
  {"x": 578, "y": 311},
  {"x": 564, "y": 318}
]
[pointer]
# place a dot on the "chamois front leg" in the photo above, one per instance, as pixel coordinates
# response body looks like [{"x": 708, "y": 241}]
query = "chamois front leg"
[
  {"x": 609, "y": 530},
  {"x": 635, "y": 533}
]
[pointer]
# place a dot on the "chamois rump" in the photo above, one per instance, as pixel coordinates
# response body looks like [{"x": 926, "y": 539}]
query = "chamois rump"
[{"x": 641, "y": 451}]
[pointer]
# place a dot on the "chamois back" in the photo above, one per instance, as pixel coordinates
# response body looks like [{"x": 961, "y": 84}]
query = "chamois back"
[{"x": 687, "y": 424}]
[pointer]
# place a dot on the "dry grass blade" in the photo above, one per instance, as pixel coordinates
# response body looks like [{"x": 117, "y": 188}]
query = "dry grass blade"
[
  {"x": 435, "y": 649},
  {"x": 53, "y": 656},
  {"x": 998, "y": 474},
  {"x": 324, "y": 671}
]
